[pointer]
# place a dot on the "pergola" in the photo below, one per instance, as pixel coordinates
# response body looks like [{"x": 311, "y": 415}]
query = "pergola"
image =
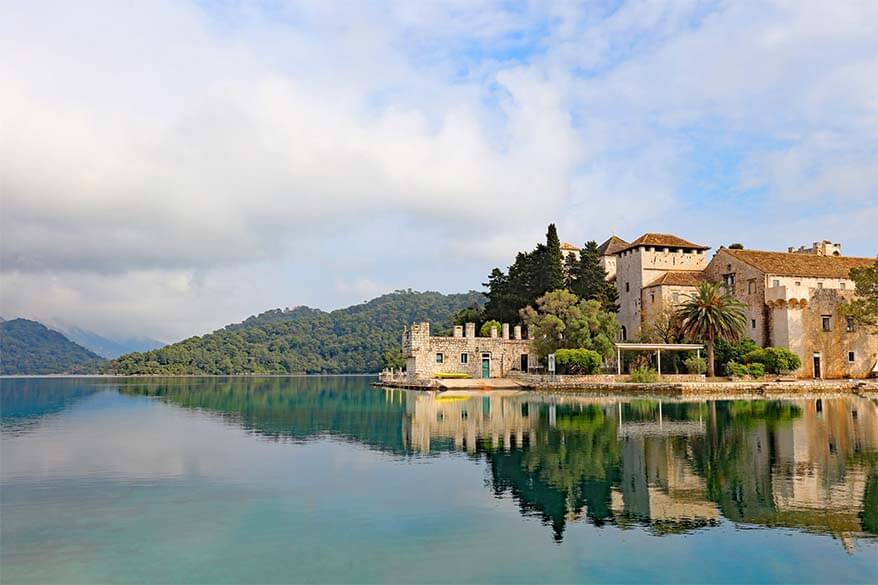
[{"x": 656, "y": 347}]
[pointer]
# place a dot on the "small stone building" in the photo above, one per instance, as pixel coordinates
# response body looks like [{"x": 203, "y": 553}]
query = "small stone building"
[{"x": 463, "y": 352}]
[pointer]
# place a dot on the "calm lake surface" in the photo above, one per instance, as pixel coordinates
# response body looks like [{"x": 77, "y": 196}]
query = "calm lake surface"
[{"x": 332, "y": 480}]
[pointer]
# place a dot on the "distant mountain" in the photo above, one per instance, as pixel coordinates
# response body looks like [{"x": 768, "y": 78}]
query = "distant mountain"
[
  {"x": 108, "y": 347},
  {"x": 303, "y": 339},
  {"x": 28, "y": 347}
]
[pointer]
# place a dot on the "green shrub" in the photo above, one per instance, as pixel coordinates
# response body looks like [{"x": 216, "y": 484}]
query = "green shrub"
[
  {"x": 732, "y": 352},
  {"x": 756, "y": 370},
  {"x": 485, "y": 331},
  {"x": 452, "y": 376},
  {"x": 578, "y": 361},
  {"x": 644, "y": 375},
  {"x": 737, "y": 370},
  {"x": 777, "y": 360},
  {"x": 695, "y": 365}
]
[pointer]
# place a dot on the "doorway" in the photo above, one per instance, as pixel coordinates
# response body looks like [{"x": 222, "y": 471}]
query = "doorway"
[
  {"x": 524, "y": 363},
  {"x": 486, "y": 365},
  {"x": 817, "y": 372}
]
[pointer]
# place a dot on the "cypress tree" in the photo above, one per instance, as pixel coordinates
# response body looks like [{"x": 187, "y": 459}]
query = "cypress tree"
[
  {"x": 553, "y": 262},
  {"x": 590, "y": 280}
]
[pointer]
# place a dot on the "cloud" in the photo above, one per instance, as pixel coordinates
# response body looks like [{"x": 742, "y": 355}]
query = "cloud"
[{"x": 159, "y": 151}]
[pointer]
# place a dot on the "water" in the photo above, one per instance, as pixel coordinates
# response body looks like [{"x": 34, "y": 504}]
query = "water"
[{"x": 331, "y": 480}]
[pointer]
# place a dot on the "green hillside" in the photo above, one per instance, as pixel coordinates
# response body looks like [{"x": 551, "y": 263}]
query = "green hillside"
[
  {"x": 347, "y": 340},
  {"x": 28, "y": 347}
]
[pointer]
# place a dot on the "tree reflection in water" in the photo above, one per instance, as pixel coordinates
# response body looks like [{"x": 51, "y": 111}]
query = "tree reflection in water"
[{"x": 669, "y": 466}]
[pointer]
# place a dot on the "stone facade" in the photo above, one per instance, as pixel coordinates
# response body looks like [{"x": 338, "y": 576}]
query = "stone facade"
[
  {"x": 426, "y": 355},
  {"x": 644, "y": 262},
  {"x": 794, "y": 302}
]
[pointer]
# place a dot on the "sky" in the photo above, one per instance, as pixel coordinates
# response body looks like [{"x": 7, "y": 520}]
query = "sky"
[{"x": 167, "y": 168}]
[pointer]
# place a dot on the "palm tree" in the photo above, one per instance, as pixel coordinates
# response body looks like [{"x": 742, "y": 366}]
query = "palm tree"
[{"x": 709, "y": 315}]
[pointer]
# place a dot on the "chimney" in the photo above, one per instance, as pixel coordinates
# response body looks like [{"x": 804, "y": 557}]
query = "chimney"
[
  {"x": 458, "y": 331},
  {"x": 505, "y": 330},
  {"x": 517, "y": 331},
  {"x": 470, "y": 329}
]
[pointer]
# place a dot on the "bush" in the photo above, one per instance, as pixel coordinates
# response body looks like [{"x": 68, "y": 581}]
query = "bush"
[
  {"x": 644, "y": 375},
  {"x": 777, "y": 360},
  {"x": 755, "y": 370},
  {"x": 732, "y": 352},
  {"x": 452, "y": 376},
  {"x": 578, "y": 361},
  {"x": 737, "y": 370},
  {"x": 485, "y": 331},
  {"x": 695, "y": 365}
]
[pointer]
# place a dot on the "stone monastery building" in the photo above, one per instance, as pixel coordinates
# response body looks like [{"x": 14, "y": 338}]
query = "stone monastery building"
[{"x": 792, "y": 300}]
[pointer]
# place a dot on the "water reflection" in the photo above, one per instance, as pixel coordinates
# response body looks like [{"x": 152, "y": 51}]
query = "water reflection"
[{"x": 666, "y": 466}]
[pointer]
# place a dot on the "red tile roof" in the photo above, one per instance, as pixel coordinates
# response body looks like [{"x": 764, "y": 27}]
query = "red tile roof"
[
  {"x": 612, "y": 245},
  {"x": 677, "y": 278},
  {"x": 568, "y": 246},
  {"x": 663, "y": 241},
  {"x": 788, "y": 264}
]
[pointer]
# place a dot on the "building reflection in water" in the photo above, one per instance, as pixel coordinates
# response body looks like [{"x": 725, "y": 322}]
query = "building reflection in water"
[{"x": 670, "y": 466}]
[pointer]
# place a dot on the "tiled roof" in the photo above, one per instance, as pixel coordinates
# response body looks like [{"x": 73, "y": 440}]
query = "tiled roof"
[
  {"x": 787, "y": 264},
  {"x": 568, "y": 246},
  {"x": 612, "y": 245},
  {"x": 663, "y": 241},
  {"x": 677, "y": 278}
]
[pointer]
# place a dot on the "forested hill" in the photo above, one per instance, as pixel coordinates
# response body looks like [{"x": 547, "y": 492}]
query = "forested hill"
[
  {"x": 28, "y": 347},
  {"x": 349, "y": 340}
]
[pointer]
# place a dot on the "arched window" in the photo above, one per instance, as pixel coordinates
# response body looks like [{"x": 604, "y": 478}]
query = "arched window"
[{"x": 624, "y": 333}]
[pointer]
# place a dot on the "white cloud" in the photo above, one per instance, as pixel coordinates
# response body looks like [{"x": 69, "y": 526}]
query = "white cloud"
[{"x": 151, "y": 151}]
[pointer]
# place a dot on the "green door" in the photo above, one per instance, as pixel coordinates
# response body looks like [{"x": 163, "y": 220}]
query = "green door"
[{"x": 486, "y": 367}]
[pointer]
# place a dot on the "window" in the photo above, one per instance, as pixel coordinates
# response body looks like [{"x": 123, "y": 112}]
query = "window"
[
  {"x": 676, "y": 297},
  {"x": 627, "y": 287},
  {"x": 440, "y": 358},
  {"x": 464, "y": 358},
  {"x": 851, "y": 357},
  {"x": 752, "y": 323},
  {"x": 751, "y": 286},
  {"x": 798, "y": 283},
  {"x": 827, "y": 322},
  {"x": 775, "y": 283},
  {"x": 850, "y": 327},
  {"x": 819, "y": 285},
  {"x": 624, "y": 333},
  {"x": 843, "y": 285},
  {"x": 652, "y": 298},
  {"x": 729, "y": 280}
]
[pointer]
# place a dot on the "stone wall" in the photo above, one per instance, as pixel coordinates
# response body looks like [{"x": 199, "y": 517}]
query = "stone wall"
[
  {"x": 422, "y": 350},
  {"x": 637, "y": 268},
  {"x": 833, "y": 346},
  {"x": 749, "y": 288}
]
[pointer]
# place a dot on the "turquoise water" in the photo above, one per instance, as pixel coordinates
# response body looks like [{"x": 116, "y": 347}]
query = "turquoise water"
[{"x": 331, "y": 480}]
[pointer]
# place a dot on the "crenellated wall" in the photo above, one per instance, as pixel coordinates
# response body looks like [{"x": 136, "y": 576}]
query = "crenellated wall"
[{"x": 420, "y": 350}]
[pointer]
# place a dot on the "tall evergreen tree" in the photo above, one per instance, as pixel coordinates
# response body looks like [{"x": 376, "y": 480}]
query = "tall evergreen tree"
[
  {"x": 550, "y": 272},
  {"x": 589, "y": 280}
]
